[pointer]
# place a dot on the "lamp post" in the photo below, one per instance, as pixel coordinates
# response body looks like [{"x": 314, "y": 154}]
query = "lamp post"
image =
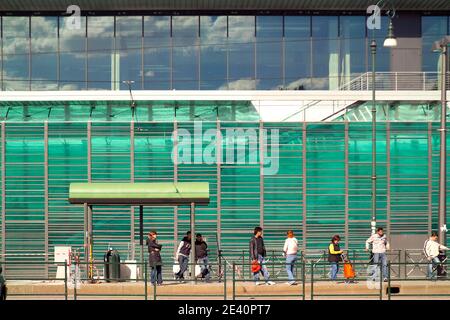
[
  {"x": 441, "y": 46},
  {"x": 389, "y": 42}
]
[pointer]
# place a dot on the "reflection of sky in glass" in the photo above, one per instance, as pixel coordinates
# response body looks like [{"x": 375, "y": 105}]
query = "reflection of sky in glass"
[
  {"x": 198, "y": 52},
  {"x": 433, "y": 29}
]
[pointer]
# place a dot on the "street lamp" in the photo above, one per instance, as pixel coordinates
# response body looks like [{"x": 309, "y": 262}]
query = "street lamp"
[
  {"x": 441, "y": 46},
  {"x": 389, "y": 42}
]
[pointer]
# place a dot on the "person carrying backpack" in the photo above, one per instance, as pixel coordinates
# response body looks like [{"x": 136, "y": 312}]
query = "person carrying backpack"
[
  {"x": 183, "y": 252},
  {"x": 201, "y": 252}
]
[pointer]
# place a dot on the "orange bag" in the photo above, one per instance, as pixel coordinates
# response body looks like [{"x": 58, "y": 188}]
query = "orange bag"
[
  {"x": 255, "y": 267},
  {"x": 349, "y": 273}
]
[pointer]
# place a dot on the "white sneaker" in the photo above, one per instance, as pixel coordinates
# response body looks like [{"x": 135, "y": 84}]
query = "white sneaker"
[
  {"x": 257, "y": 283},
  {"x": 292, "y": 283},
  {"x": 270, "y": 283}
]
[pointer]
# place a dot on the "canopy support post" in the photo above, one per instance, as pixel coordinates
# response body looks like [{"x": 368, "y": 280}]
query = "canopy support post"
[
  {"x": 193, "y": 260},
  {"x": 141, "y": 236}
]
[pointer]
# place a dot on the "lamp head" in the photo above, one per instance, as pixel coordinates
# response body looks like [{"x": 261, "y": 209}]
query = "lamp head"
[{"x": 391, "y": 40}]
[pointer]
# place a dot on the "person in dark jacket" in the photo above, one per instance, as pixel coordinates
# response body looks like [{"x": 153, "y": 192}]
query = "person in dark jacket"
[
  {"x": 183, "y": 252},
  {"x": 257, "y": 254},
  {"x": 201, "y": 252},
  {"x": 155, "y": 262},
  {"x": 334, "y": 256},
  {"x": 2, "y": 285}
]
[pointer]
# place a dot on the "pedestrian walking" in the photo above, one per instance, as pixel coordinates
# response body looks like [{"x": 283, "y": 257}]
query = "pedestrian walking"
[
  {"x": 154, "y": 259},
  {"x": 380, "y": 245},
  {"x": 431, "y": 249},
  {"x": 334, "y": 256},
  {"x": 290, "y": 250},
  {"x": 182, "y": 256},
  {"x": 257, "y": 254}
]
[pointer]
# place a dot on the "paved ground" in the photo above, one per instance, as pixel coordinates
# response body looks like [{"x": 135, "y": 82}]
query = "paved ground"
[{"x": 243, "y": 290}]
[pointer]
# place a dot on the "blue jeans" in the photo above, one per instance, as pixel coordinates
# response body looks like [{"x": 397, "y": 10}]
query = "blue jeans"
[
  {"x": 263, "y": 270},
  {"x": 377, "y": 257},
  {"x": 204, "y": 265},
  {"x": 334, "y": 270},
  {"x": 433, "y": 263},
  {"x": 183, "y": 261},
  {"x": 290, "y": 261},
  {"x": 156, "y": 275}
]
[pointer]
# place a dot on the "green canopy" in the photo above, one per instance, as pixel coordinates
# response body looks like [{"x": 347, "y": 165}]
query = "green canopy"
[{"x": 158, "y": 193}]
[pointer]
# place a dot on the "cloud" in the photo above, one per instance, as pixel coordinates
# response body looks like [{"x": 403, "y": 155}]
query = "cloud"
[{"x": 241, "y": 84}]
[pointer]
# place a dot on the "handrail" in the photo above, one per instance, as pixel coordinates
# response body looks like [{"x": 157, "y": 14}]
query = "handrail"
[{"x": 403, "y": 80}]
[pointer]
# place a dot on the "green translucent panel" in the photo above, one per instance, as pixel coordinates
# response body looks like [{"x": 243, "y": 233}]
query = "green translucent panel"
[
  {"x": 116, "y": 111},
  {"x": 323, "y": 169}
]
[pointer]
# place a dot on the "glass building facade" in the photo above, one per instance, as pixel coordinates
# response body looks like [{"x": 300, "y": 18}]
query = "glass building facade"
[
  {"x": 222, "y": 52},
  {"x": 322, "y": 185}
]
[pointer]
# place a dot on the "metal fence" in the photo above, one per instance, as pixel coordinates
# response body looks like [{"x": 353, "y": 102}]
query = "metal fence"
[{"x": 396, "y": 81}]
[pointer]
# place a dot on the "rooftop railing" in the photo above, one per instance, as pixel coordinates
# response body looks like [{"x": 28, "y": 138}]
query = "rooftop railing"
[{"x": 423, "y": 81}]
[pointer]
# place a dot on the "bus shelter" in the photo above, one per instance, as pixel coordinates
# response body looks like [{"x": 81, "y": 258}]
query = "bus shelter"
[{"x": 136, "y": 194}]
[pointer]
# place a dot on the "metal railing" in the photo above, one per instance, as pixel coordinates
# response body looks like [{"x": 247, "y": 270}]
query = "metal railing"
[
  {"x": 55, "y": 293},
  {"x": 299, "y": 269},
  {"x": 192, "y": 278},
  {"x": 376, "y": 289},
  {"x": 396, "y": 81},
  {"x": 423, "y": 281},
  {"x": 78, "y": 292}
]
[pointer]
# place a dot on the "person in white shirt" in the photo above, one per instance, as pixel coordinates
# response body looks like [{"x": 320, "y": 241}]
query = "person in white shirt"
[
  {"x": 290, "y": 250},
  {"x": 431, "y": 250},
  {"x": 379, "y": 246}
]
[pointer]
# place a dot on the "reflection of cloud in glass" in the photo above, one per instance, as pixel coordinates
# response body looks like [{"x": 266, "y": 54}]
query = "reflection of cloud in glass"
[{"x": 241, "y": 84}]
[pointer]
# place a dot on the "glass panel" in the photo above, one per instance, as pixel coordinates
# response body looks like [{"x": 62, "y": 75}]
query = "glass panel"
[
  {"x": 325, "y": 52},
  {"x": 185, "y": 52},
  {"x": 16, "y": 53},
  {"x": 44, "y": 53},
  {"x": 73, "y": 56},
  {"x": 101, "y": 57},
  {"x": 128, "y": 49},
  {"x": 353, "y": 47},
  {"x": 383, "y": 58},
  {"x": 433, "y": 29},
  {"x": 241, "y": 56},
  {"x": 297, "y": 59},
  {"x": 213, "y": 52},
  {"x": 157, "y": 53},
  {"x": 269, "y": 32}
]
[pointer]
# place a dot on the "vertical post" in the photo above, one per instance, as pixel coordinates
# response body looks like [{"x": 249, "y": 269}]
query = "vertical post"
[
  {"x": 86, "y": 237},
  {"x": 91, "y": 243},
  {"x": 304, "y": 220},
  {"x": 3, "y": 213},
  {"x": 193, "y": 240},
  {"x": 346, "y": 169},
  {"x": 443, "y": 150},
  {"x": 430, "y": 177},
  {"x": 373, "y": 223},
  {"x": 381, "y": 279},
  {"x": 65, "y": 279},
  {"x": 312, "y": 280},
  {"x": 303, "y": 279},
  {"x": 132, "y": 180},
  {"x": 219, "y": 184},
  {"x": 46, "y": 196},
  {"x": 388, "y": 178},
  {"x": 145, "y": 278},
  {"x": 175, "y": 179},
  {"x": 261, "y": 174},
  {"x": 141, "y": 232},
  {"x": 389, "y": 281},
  {"x": 234, "y": 281},
  {"x": 224, "y": 281}
]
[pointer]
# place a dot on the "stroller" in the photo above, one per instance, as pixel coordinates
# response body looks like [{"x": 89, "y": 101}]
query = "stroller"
[{"x": 349, "y": 272}]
